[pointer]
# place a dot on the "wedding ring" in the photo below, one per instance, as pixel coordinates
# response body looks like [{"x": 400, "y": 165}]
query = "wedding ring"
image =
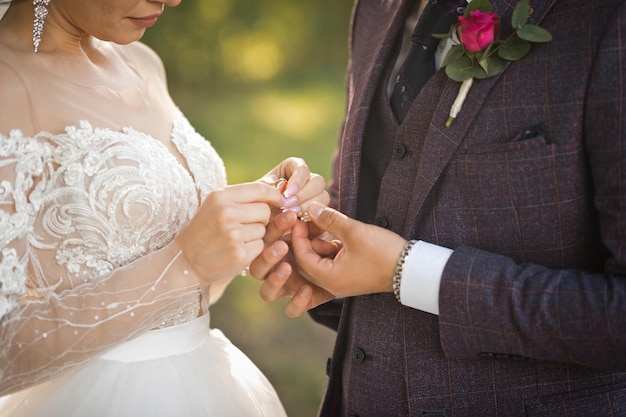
[{"x": 281, "y": 184}]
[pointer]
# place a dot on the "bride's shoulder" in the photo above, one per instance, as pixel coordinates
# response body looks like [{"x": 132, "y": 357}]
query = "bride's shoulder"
[
  {"x": 14, "y": 100},
  {"x": 142, "y": 57}
]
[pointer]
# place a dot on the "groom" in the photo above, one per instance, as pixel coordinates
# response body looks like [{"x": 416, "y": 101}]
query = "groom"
[{"x": 524, "y": 199}]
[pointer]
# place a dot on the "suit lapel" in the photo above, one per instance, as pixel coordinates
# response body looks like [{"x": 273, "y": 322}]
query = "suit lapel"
[
  {"x": 367, "y": 64},
  {"x": 441, "y": 142}
]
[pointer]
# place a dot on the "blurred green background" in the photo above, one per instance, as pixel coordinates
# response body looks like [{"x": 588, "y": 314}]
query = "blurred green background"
[{"x": 263, "y": 80}]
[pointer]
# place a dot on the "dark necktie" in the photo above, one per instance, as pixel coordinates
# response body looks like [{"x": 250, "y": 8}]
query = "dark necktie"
[{"x": 419, "y": 64}]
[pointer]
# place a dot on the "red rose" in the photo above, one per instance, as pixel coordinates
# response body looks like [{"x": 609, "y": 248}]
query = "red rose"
[{"x": 478, "y": 30}]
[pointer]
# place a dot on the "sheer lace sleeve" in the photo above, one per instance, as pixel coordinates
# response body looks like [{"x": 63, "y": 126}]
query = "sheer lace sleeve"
[
  {"x": 87, "y": 257},
  {"x": 13, "y": 227}
]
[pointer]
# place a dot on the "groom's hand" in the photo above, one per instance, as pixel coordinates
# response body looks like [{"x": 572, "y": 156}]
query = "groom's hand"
[
  {"x": 276, "y": 268},
  {"x": 364, "y": 262}
]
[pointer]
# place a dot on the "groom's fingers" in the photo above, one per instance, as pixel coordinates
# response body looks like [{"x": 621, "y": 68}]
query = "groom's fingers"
[
  {"x": 275, "y": 249},
  {"x": 271, "y": 255},
  {"x": 312, "y": 264},
  {"x": 280, "y": 224},
  {"x": 300, "y": 303},
  {"x": 330, "y": 220},
  {"x": 276, "y": 284}
]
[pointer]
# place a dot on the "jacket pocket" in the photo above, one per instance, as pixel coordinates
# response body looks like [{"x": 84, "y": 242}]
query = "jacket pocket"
[{"x": 530, "y": 138}]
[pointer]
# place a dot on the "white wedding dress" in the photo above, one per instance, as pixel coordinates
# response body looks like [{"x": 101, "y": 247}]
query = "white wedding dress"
[{"x": 88, "y": 215}]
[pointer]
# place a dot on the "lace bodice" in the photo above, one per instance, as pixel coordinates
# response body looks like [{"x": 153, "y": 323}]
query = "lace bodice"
[
  {"x": 82, "y": 207},
  {"x": 92, "y": 200}
]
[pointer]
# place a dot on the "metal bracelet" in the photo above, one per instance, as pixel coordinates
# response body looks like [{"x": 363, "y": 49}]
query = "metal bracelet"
[{"x": 397, "y": 273}]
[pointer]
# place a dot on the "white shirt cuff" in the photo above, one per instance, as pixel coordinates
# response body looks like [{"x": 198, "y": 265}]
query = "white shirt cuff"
[{"x": 421, "y": 276}]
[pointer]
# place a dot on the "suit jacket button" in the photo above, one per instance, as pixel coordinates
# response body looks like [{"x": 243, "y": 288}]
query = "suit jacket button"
[
  {"x": 358, "y": 355},
  {"x": 382, "y": 222},
  {"x": 399, "y": 151}
]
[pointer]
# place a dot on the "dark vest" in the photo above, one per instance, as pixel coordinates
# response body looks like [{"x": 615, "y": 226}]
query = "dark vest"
[{"x": 391, "y": 151}]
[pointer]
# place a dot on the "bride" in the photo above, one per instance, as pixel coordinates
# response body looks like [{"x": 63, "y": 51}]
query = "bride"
[{"x": 117, "y": 229}]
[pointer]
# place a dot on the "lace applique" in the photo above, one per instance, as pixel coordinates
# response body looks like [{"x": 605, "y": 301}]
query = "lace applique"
[
  {"x": 28, "y": 157},
  {"x": 94, "y": 199},
  {"x": 105, "y": 204},
  {"x": 12, "y": 280},
  {"x": 12, "y": 225},
  {"x": 196, "y": 151},
  {"x": 207, "y": 177}
]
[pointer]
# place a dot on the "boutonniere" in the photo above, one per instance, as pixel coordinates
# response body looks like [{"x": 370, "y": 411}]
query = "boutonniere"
[{"x": 477, "y": 52}]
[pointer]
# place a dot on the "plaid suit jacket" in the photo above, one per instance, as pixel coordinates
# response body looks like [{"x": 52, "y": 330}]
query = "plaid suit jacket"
[{"x": 528, "y": 186}]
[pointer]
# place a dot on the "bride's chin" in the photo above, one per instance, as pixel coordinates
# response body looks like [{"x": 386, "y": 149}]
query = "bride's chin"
[{"x": 125, "y": 40}]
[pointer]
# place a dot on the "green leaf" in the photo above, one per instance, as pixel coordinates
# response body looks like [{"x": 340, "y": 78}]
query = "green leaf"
[
  {"x": 514, "y": 49},
  {"x": 454, "y": 54},
  {"x": 520, "y": 14},
  {"x": 489, "y": 67},
  {"x": 460, "y": 69},
  {"x": 533, "y": 33},
  {"x": 482, "y": 5},
  {"x": 484, "y": 64}
]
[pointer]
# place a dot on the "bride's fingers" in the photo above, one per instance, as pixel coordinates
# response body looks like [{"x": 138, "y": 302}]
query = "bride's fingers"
[
  {"x": 249, "y": 192},
  {"x": 238, "y": 213},
  {"x": 233, "y": 238},
  {"x": 250, "y": 213},
  {"x": 295, "y": 170},
  {"x": 252, "y": 250},
  {"x": 250, "y": 232},
  {"x": 313, "y": 188}
]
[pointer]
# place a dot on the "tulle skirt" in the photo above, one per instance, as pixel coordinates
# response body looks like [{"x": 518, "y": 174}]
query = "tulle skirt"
[{"x": 188, "y": 370}]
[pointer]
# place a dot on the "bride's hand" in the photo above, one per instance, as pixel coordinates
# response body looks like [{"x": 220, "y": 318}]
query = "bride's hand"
[
  {"x": 302, "y": 186},
  {"x": 227, "y": 232}
]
